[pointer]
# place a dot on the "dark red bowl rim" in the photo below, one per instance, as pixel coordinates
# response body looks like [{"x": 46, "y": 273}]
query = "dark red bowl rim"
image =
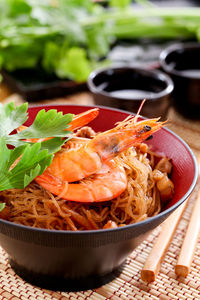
[{"x": 130, "y": 226}]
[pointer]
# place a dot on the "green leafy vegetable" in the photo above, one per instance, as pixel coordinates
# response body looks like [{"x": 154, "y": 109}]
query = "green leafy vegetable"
[
  {"x": 46, "y": 124},
  {"x": 21, "y": 164},
  {"x": 74, "y": 62},
  {"x": 120, "y": 3},
  {"x": 32, "y": 163},
  {"x": 11, "y": 117},
  {"x": 68, "y": 38}
]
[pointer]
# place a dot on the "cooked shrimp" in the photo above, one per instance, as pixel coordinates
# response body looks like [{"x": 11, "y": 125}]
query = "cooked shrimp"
[
  {"x": 164, "y": 184},
  {"x": 110, "y": 224},
  {"x": 93, "y": 157},
  {"x": 166, "y": 188},
  {"x": 164, "y": 165},
  {"x": 77, "y": 122},
  {"x": 104, "y": 185},
  {"x": 76, "y": 164},
  {"x": 86, "y": 132}
]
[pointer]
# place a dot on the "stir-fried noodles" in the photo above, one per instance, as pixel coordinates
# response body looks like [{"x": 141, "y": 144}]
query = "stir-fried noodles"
[{"x": 35, "y": 206}]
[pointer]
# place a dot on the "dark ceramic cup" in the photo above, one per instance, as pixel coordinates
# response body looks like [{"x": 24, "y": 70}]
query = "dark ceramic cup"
[
  {"x": 79, "y": 260},
  {"x": 126, "y": 87},
  {"x": 182, "y": 63}
]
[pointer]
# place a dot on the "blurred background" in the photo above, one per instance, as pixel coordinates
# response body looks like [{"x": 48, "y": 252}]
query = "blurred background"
[{"x": 48, "y": 48}]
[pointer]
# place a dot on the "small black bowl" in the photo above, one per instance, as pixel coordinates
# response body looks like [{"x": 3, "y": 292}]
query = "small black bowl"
[
  {"x": 182, "y": 63},
  {"x": 125, "y": 87}
]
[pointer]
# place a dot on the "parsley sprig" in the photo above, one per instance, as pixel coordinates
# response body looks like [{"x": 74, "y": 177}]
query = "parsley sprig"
[{"x": 25, "y": 161}]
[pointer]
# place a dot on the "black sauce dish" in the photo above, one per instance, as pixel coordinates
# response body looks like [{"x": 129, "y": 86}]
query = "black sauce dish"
[
  {"x": 182, "y": 62},
  {"x": 67, "y": 260},
  {"x": 124, "y": 87}
]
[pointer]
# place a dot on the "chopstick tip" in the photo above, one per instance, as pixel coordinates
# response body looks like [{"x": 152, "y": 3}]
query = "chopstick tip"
[
  {"x": 181, "y": 270},
  {"x": 148, "y": 276}
]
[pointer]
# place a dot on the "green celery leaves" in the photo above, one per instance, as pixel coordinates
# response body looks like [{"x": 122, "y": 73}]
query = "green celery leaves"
[
  {"x": 69, "y": 38},
  {"x": 74, "y": 62}
]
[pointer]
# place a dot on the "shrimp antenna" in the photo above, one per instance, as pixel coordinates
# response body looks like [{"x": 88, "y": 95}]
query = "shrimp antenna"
[{"x": 139, "y": 110}]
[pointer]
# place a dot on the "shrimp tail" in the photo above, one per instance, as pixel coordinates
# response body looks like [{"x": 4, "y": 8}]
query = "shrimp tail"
[
  {"x": 52, "y": 183},
  {"x": 83, "y": 119}
]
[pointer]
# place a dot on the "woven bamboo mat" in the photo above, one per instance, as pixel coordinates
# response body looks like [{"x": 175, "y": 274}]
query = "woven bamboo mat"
[{"x": 128, "y": 285}]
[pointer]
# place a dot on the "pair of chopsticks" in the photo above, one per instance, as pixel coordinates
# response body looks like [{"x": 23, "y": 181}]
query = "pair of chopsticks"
[{"x": 154, "y": 260}]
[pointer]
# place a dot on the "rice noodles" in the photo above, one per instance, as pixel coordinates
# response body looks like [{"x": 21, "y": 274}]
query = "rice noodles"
[{"x": 36, "y": 207}]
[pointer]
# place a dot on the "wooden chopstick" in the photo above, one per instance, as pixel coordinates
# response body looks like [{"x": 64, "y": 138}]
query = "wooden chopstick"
[
  {"x": 153, "y": 262},
  {"x": 188, "y": 247}
]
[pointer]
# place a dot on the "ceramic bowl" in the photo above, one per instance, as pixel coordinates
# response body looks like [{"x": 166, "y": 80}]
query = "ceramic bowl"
[
  {"x": 182, "y": 63},
  {"x": 81, "y": 260},
  {"x": 125, "y": 87}
]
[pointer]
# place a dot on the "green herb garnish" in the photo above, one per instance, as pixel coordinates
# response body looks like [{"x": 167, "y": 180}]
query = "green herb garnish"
[
  {"x": 26, "y": 160},
  {"x": 46, "y": 124}
]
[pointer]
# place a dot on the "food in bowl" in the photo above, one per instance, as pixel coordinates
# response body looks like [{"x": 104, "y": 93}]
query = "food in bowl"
[
  {"x": 95, "y": 180},
  {"x": 85, "y": 259}
]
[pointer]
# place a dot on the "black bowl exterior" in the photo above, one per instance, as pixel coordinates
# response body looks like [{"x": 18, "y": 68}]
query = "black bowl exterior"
[
  {"x": 175, "y": 60},
  {"x": 50, "y": 258},
  {"x": 187, "y": 96},
  {"x": 156, "y": 104}
]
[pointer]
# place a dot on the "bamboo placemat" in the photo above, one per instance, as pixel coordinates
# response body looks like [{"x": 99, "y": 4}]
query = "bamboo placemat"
[{"x": 128, "y": 285}]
